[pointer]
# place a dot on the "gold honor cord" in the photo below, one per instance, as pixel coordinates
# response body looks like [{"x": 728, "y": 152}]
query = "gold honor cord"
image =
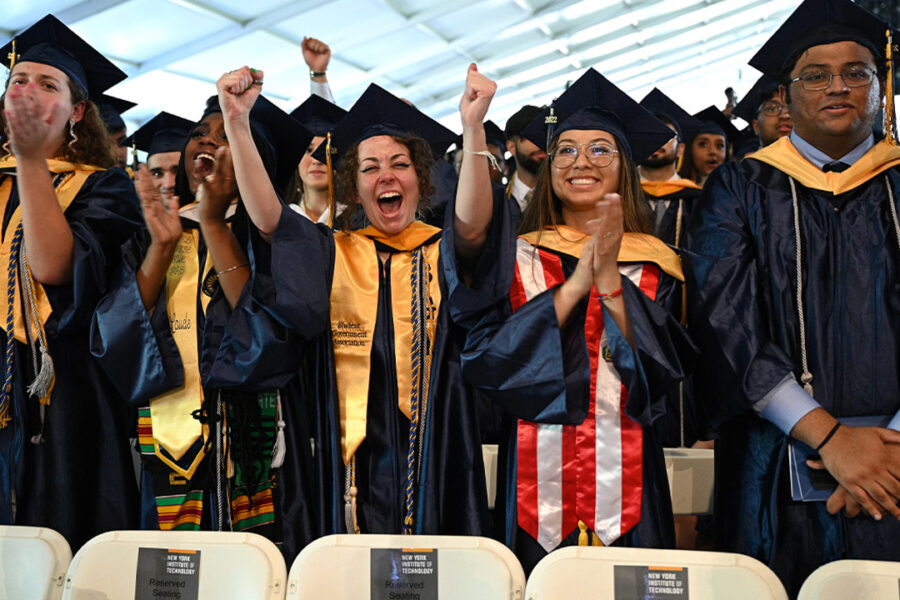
[
  {"x": 12, "y": 56},
  {"x": 890, "y": 122},
  {"x": 328, "y": 150}
]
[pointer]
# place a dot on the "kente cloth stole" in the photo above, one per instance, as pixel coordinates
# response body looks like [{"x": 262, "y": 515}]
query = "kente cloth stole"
[
  {"x": 180, "y": 500},
  {"x": 782, "y": 155},
  {"x": 175, "y": 430},
  {"x": 68, "y": 179},
  {"x": 588, "y": 475},
  {"x": 354, "y": 309}
]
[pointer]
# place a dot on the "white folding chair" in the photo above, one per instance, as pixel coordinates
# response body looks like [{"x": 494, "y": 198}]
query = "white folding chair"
[
  {"x": 33, "y": 562},
  {"x": 339, "y": 567},
  {"x": 692, "y": 476},
  {"x": 489, "y": 453},
  {"x": 857, "y": 579},
  {"x": 637, "y": 572},
  {"x": 132, "y": 565}
]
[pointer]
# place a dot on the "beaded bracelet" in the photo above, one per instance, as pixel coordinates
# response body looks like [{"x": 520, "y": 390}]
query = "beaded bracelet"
[
  {"x": 610, "y": 296},
  {"x": 223, "y": 271}
]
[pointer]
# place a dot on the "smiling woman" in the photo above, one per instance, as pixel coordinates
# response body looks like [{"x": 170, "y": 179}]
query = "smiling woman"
[
  {"x": 63, "y": 428},
  {"x": 582, "y": 351},
  {"x": 369, "y": 313}
]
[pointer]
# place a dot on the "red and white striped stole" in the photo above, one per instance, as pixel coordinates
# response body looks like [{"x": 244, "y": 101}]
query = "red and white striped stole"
[{"x": 591, "y": 472}]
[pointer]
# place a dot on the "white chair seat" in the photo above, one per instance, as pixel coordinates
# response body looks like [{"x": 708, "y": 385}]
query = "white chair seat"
[
  {"x": 857, "y": 579},
  {"x": 33, "y": 562}
]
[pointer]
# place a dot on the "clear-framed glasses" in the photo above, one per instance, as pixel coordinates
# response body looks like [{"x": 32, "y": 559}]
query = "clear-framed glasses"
[
  {"x": 597, "y": 153},
  {"x": 773, "y": 109},
  {"x": 820, "y": 80}
]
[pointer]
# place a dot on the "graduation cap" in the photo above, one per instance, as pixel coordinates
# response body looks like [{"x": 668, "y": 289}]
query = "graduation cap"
[
  {"x": 318, "y": 115},
  {"x": 762, "y": 90},
  {"x": 163, "y": 133},
  {"x": 50, "y": 42},
  {"x": 817, "y": 22},
  {"x": 286, "y": 137},
  {"x": 716, "y": 122},
  {"x": 495, "y": 135},
  {"x": 665, "y": 108},
  {"x": 594, "y": 102},
  {"x": 522, "y": 117},
  {"x": 378, "y": 112},
  {"x": 111, "y": 109}
]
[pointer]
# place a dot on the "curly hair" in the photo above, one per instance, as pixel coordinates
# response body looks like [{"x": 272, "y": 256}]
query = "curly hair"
[
  {"x": 345, "y": 176},
  {"x": 92, "y": 146},
  {"x": 545, "y": 207}
]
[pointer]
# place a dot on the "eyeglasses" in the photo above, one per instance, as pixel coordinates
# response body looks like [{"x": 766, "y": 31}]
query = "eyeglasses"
[
  {"x": 773, "y": 109},
  {"x": 820, "y": 80},
  {"x": 599, "y": 155}
]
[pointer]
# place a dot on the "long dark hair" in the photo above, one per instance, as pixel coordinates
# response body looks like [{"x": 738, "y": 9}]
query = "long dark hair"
[
  {"x": 92, "y": 146},
  {"x": 345, "y": 176},
  {"x": 545, "y": 208}
]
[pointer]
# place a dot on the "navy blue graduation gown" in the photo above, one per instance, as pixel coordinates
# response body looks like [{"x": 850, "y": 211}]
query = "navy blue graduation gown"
[
  {"x": 282, "y": 330},
  {"x": 539, "y": 371},
  {"x": 80, "y": 479},
  {"x": 741, "y": 282},
  {"x": 139, "y": 354}
]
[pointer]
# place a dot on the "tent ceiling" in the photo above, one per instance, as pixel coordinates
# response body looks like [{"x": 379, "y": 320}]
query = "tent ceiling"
[{"x": 174, "y": 50}]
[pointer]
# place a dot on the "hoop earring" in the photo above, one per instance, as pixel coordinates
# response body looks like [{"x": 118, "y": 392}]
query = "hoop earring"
[{"x": 72, "y": 133}]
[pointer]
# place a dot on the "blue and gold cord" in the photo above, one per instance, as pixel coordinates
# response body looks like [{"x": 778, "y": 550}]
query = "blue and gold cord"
[
  {"x": 6, "y": 392},
  {"x": 416, "y": 354}
]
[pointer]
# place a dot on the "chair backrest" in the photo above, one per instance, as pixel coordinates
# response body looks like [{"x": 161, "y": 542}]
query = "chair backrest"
[
  {"x": 344, "y": 567},
  {"x": 33, "y": 563},
  {"x": 153, "y": 565},
  {"x": 857, "y": 579},
  {"x": 692, "y": 477},
  {"x": 638, "y": 573}
]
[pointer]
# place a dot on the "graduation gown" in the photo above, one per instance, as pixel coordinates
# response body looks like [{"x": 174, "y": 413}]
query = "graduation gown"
[
  {"x": 679, "y": 426},
  {"x": 743, "y": 314},
  {"x": 580, "y": 401},
  {"x": 294, "y": 295},
  {"x": 70, "y": 468},
  {"x": 139, "y": 353}
]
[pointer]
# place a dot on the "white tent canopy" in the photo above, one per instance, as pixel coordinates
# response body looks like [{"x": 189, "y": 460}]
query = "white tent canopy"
[{"x": 174, "y": 50}]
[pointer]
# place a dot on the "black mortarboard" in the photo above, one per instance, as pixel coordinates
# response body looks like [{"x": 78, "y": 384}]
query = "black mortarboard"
[
  {"x": 378, "y": 112},
  {"x": 111, "y": 109},
  {"x": 716, "y": 122},
  {"x": 163, "y": 133},
  {"x": 665, "y": 108},
  {"x": 50, "y": 42},
  {"x": 817, "y": 22},
  {"x": 594, "y": 102},
  {"x": 286, "y": 137},
  {"x": 762, "y": 90},
  {"x": 318, "y": 115},
  {"x": 495, "y": 135},
  {"x": 520, "y": 119}
]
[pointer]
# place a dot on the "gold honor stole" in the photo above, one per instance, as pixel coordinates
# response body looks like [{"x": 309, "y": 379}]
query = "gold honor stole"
[
  {"x": 783, "y": 156},
  {"x": 73, "y": 178},
  {"x": 354, "y": 309},
  {"x": 658, "y": 189},
  {"x": 174, "y": 429},
  {"x": 588, "y": 475}
]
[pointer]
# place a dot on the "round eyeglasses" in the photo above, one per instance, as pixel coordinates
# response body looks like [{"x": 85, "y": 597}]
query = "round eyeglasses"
[
  {"x": 773, "y": 109},
  {"x": 820, "y": 80},
  {"x": 599, "y": 155}
]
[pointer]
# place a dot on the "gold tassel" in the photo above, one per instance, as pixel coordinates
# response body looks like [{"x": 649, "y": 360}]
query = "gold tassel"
[
  {"x": 12, "y": 56},
  {"x": 328, "y": 150},
  {"x": 595, "y": 541},
  {"x": 889, "y": 116},
  {"x": 583, "y": 534}
]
